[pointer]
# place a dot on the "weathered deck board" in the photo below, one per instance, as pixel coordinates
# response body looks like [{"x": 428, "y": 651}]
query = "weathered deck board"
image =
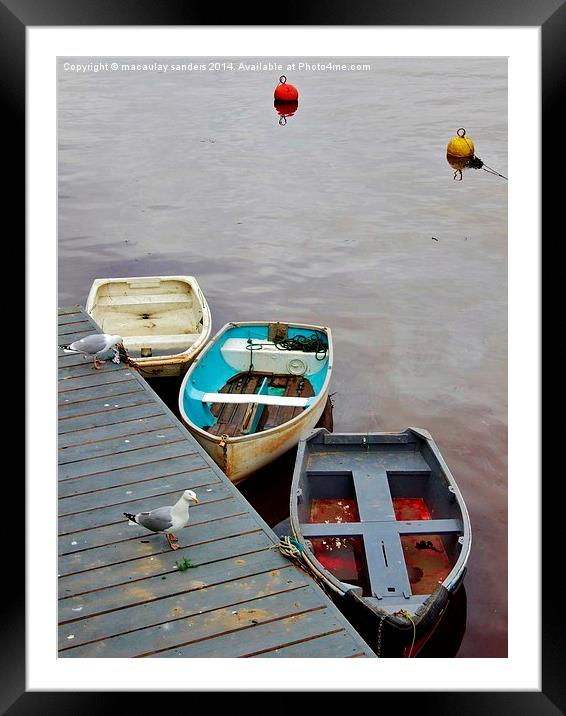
[
  {"x": 89, "y": 518},
  {"x": 249, "y": 538},
  {"x": 121, "y": 593},
  {"x": 114, "y": 496},
  {"x": 98, "y": 405},
  {"x": 126, "y": 552},
  {"x": 119, "y": 416},
  {"x": 185, "y": 463}
]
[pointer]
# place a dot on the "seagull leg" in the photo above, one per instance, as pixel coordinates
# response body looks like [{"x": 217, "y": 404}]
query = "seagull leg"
[
  {"x": 98, "y": 363},
  {"x": 173, "y": 541}
]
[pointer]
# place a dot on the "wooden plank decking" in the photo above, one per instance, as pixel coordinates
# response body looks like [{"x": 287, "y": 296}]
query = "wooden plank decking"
[{"x": 121, "y": 595}]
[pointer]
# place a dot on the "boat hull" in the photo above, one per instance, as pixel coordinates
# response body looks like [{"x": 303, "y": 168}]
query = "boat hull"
[{"x": 162, "y": 368}]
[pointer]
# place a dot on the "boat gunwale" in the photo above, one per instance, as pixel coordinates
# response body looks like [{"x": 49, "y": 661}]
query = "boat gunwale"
[
  {"x": 166, "y": 360},
  {"x": 452, "y": 580},
  {"x": 240, "y": 439}
]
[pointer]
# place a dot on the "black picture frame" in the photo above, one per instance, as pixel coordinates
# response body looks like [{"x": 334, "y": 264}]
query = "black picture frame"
[{"x": 15, "y": 17}]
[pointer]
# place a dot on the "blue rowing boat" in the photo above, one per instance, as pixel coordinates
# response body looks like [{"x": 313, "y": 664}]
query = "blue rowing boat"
[{"x": 255, "y": 391}]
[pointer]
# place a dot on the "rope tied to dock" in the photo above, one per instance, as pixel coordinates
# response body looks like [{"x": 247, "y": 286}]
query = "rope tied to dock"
[
  {"x": 124, "y": 357},
  {"x": 290, "y": 548},
  {"x": 294, "y": 550}
]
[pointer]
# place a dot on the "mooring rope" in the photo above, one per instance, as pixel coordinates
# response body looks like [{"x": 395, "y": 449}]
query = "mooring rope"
[
  {"x": 489, "y": 170},
  {"x": 124, "y": 357},
  {"x": 477, "y": 163},
  {"x": 294, "y": 550}
]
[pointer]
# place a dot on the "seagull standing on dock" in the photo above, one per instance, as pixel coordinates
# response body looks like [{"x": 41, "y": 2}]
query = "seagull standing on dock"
[
  {"x": 97, "y": 345},
  {"x": 166, "y": 519}
]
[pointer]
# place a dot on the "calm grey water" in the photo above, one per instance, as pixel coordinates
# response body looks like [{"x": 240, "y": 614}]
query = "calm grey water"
[{"x": 329, "y": 220}]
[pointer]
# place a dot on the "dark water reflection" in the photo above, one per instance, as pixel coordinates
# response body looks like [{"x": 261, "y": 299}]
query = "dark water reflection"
[{"x": 330, "y": 220}]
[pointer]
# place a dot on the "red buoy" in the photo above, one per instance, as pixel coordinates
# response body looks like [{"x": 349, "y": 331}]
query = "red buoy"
[{"x": 285, "y": 92}]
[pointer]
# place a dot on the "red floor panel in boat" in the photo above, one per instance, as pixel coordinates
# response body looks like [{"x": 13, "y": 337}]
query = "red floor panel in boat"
[
  {"x": 426, "y": 560},
  {"x": 344, "y": 558},
  {"x": 410, "y": 508},
  {"x": 327, "y": 510}
]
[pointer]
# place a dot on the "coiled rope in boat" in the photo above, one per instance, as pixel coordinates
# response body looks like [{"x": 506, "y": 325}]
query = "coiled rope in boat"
[{"x": 308, "y": 344}]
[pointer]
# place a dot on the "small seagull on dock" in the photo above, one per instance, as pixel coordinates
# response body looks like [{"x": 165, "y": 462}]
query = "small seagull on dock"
[
  {"x": 97, "y": 345},
  {"x": 166, "y": 519}
]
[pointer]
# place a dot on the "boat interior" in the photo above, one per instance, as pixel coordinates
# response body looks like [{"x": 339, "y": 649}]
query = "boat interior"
[
  {"x": 242, "y": 419},
  {"x": 379, "y": 514},
  {"x": 155, "y": 316},
  {"x": 248, "y": 381}
]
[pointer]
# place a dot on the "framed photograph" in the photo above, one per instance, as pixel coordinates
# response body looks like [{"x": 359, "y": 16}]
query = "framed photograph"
[{"x": 363, "y": 173}]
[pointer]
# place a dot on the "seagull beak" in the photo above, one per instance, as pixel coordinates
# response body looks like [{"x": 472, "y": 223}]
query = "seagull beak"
[{"x": 196, "y": 499}]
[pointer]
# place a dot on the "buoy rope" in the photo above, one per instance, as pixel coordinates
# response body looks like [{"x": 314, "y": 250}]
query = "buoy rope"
[
  {"x": 477, "y": 163},
  {"x": 489, "y": 170}
]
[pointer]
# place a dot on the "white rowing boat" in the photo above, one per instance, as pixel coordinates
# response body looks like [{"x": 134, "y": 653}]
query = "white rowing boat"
[{"x": 164, "y": 320}]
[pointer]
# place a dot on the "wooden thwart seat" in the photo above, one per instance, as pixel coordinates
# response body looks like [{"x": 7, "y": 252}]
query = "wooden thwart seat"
[
  {"x": 255, "y": 398},
  {"x": 233, "y": 404},
  {"x": 180, "y": 341}
]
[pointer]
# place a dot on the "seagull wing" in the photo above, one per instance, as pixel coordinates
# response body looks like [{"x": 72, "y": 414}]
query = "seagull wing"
[
  {"x": 90, "y": 344},
  {"x": 157, "y": 520}
]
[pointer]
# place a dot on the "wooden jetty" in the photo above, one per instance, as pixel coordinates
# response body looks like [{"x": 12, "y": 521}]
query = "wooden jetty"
[{"x": 121, "y": 593}]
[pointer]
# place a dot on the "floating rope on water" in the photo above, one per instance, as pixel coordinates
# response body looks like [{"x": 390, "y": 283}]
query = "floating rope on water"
[
  {"x": 477, "y": 163},
  {"x": 471, "y": 163},
  {"x": 489, "y": 170}
]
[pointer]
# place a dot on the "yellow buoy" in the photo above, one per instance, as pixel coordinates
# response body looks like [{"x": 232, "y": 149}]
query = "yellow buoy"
[{"x": 460, "y": 145}]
